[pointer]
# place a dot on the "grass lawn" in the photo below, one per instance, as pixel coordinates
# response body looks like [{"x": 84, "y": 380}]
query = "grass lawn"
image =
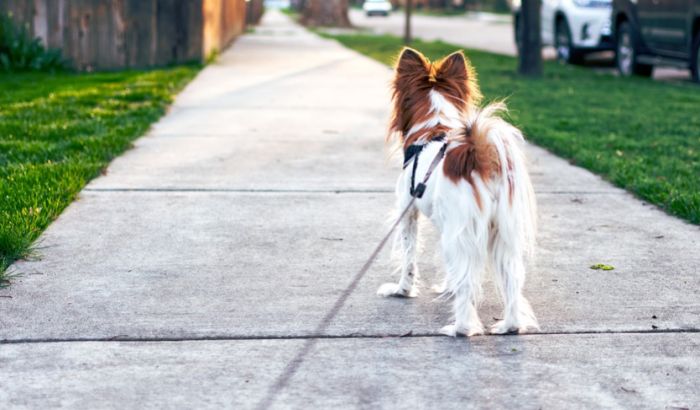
[
  {"x": 58, "y": 131},
  {"x": 640, "y": 134}
]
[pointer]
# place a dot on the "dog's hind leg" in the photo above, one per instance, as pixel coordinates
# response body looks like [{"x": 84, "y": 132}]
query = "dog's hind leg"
[
  {"x": 408, "y": 244},
  {"x": 464, "y": 263},
  {"x": 509, "y": 268}
]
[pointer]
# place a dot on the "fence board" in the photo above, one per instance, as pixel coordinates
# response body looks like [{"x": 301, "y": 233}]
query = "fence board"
[{"x": 115, "y": 34}]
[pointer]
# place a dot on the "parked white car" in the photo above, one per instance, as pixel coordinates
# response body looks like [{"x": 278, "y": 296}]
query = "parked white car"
[
  {"x": 277, "y": 4},
  {"x": 376, "y": 7},
  {"x": 572, "y": 27}
]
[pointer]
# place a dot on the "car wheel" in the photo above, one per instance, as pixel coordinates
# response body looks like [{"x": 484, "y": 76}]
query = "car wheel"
[
  {"x": 695, "y": 61},
  {"x": 626, "y": 53},
  {"x": 564, "y": 45}
]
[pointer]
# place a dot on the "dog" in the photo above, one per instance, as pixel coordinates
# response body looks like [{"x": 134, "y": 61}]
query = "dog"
[{"x": 479, "y": 196}]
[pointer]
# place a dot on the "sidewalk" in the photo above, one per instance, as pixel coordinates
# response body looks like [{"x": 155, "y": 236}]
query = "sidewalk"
[{"x": 198, "y": 271}]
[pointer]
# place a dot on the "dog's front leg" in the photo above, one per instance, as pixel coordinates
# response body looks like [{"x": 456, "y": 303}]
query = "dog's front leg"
[{"x": 408, "y": 240}]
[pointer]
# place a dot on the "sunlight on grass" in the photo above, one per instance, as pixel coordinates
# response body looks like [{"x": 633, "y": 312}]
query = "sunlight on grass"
[{"x": 58, "y": 131}]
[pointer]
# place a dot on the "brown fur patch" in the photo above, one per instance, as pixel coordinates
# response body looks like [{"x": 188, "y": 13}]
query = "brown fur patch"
[
  {"x": 416, "y": 76},
  {"x": 475, "y": 154}
]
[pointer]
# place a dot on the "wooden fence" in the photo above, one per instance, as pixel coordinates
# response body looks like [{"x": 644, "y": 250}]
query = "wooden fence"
[{"x": 117, "y": 34}]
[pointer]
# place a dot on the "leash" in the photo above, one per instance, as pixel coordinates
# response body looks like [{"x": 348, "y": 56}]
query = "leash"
[
  {"x": 292, "y": 367},
  {"x": 416, "y": 192}
]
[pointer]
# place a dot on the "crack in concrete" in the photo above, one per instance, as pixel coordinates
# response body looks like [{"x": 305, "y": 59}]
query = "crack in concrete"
[
  {"x": 133, "y": 339},
  {"x": 244, "y": 190},
  {"x": 312, "y": 191}
]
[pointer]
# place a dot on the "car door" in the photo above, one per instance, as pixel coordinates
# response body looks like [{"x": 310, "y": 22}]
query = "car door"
[
  {"x": 647, "y": 22},
  {"x": 672, "y": 30},
  {"x": 663, "y": 26}
]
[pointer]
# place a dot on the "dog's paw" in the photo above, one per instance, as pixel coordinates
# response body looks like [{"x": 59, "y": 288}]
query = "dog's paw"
[
  {"x": 393, "y": 289},
  {"x": 454, "y": 331},
  {"x": 503, "y": 328},
  {"x": 522, "y": 324},
  {"x": 438, "y": 288}
]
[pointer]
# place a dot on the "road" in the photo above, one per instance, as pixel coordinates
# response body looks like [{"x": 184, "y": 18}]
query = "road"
[{"x": 484, "y": 31}]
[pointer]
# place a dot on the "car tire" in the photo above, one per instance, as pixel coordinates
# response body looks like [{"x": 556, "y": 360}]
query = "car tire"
[
  {"x": 626, "y": 48},
  {"x": 564, "y": 44},
  {"x": 695, "y": 58}
]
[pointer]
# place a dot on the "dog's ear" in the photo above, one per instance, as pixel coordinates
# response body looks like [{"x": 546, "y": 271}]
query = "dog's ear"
[
  {"x": 455, "y": 76},
  {"x": 410, "y": 78},
  {"x": 411, "y": 62},
  {"x": 454, "y": 66}
]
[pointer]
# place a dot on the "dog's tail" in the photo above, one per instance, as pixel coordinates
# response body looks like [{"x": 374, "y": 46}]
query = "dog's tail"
[{"x": 493, "y": 148}]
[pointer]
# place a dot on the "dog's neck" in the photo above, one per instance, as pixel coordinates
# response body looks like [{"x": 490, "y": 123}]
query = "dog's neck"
[{"x": 442, "y": 117}]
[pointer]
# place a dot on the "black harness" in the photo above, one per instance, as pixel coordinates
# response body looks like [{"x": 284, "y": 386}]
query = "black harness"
[{"x": 412, "y": 153}]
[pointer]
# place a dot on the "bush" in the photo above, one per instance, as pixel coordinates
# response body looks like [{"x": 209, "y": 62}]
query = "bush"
[{"x": 20, "y": 52}]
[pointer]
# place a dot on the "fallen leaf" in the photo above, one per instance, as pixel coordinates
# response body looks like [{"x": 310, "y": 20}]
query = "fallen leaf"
[{"x": 602, "y": 266}]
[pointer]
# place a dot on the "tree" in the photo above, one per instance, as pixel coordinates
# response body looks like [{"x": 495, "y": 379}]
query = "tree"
[
  {"x": 407, "y": 37},
  {"x": 328, "y": 13},
  {"x": 530, "y": 47}
]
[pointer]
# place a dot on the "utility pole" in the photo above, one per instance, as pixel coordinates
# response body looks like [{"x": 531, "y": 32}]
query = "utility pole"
[
  {"x": 530, "y": 52},
  {"x": 407, "y": 25}
]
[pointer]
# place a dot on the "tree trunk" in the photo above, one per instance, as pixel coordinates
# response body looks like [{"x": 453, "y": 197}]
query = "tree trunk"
[
  {"x": 530, "y": 52},
  {"x": 326, "y": 13},
  {"x": 407, "y": 37}
]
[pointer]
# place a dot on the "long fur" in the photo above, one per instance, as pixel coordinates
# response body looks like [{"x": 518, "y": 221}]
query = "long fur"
[{"x": 480, "y": 198}]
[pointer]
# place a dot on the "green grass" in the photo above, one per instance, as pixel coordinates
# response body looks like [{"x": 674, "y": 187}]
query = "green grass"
[
  {"x": 58, "y": 131},
  {"x": 640, "y": 134},
  {"x": 290, "y": 12}
]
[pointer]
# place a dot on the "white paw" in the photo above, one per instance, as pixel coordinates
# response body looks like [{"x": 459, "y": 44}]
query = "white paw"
[
  {"x": 438, "y": 288},
  {"x": 453, "y": 331},
  {"x": 502, "y": 328},
  {"x": 393, "y": 289},
  {"x": 521, "y": 324}
]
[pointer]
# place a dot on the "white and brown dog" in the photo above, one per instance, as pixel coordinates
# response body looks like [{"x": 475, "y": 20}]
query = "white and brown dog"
[{"x": 479, "y": 198}]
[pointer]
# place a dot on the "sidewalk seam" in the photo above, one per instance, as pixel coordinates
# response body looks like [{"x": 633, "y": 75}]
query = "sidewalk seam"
[
  {"x": 313, "y": 191},
  {"x": 323, "y": 337}
]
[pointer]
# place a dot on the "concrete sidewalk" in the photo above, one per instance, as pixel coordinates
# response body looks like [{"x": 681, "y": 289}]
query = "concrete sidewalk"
[{"x": 200, "y": 271}]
